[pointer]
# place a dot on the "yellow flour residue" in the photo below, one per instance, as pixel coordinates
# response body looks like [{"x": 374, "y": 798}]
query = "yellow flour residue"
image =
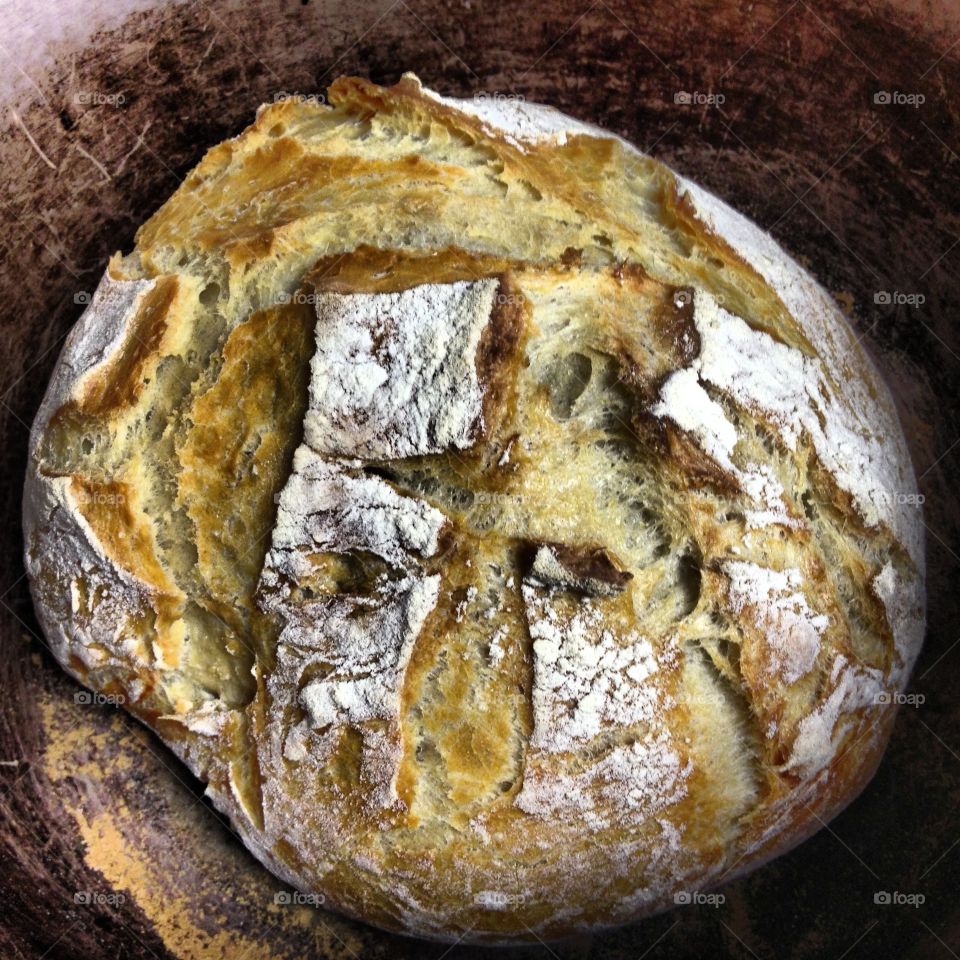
[
  {"x": 119, "y": 844},
  {"x": 77, "y": 750},
  {"x": 109, "y": 852},
  {"x": 65, "y": 748}
]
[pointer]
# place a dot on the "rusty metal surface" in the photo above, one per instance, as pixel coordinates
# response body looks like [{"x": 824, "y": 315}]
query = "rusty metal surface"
[{"x": 107, "y": 848}]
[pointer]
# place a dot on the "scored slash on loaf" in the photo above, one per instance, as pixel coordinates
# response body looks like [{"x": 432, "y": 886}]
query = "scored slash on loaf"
[{"x": 508, "y": 532}]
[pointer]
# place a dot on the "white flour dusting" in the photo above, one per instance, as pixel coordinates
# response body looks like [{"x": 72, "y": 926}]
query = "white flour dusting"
[
  {"x": 684, "y": 400},
  {"x": 98, "y": 337},
  {"x": 854, "y": 687},
  {"x": 394, "y": 374},
  {"x": 632, "y": 782},
  {"x": 794, "y": 392},
  {"x": 362, "y": 644},
  {"x": 61, "y": 579},
  {"x": 905, "y": 616},
  {"x": 521, "y": 122},
  {"x": 208, "y": 719},
  {"x": 585, "y": 678},
  {"x": 792, "y": 630},
  {"x": 325, "y": 507},
  {"x": 860, "y": 440},
  {"x": 368, "y": 653},
  {"x": 763, "y": 488},
  {"x": 497, "y": 648},
  {"x": 588, "y": 681},
  {"x": 761, "y": 374}
]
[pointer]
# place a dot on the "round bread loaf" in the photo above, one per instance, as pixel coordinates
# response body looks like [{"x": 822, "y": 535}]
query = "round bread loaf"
[{"x": 512, "y": 537}]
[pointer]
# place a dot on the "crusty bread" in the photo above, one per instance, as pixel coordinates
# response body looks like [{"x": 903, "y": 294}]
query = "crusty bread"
[{"x": 508, "y": 532}]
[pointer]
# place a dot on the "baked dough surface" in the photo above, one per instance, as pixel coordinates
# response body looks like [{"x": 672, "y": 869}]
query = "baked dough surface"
[{"x": 507, "y": 531}]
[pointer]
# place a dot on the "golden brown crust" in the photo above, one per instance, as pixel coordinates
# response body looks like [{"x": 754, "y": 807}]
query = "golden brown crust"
[
  {"x": 606, "y": 603},
  {"x": 121, "y": 382}
]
